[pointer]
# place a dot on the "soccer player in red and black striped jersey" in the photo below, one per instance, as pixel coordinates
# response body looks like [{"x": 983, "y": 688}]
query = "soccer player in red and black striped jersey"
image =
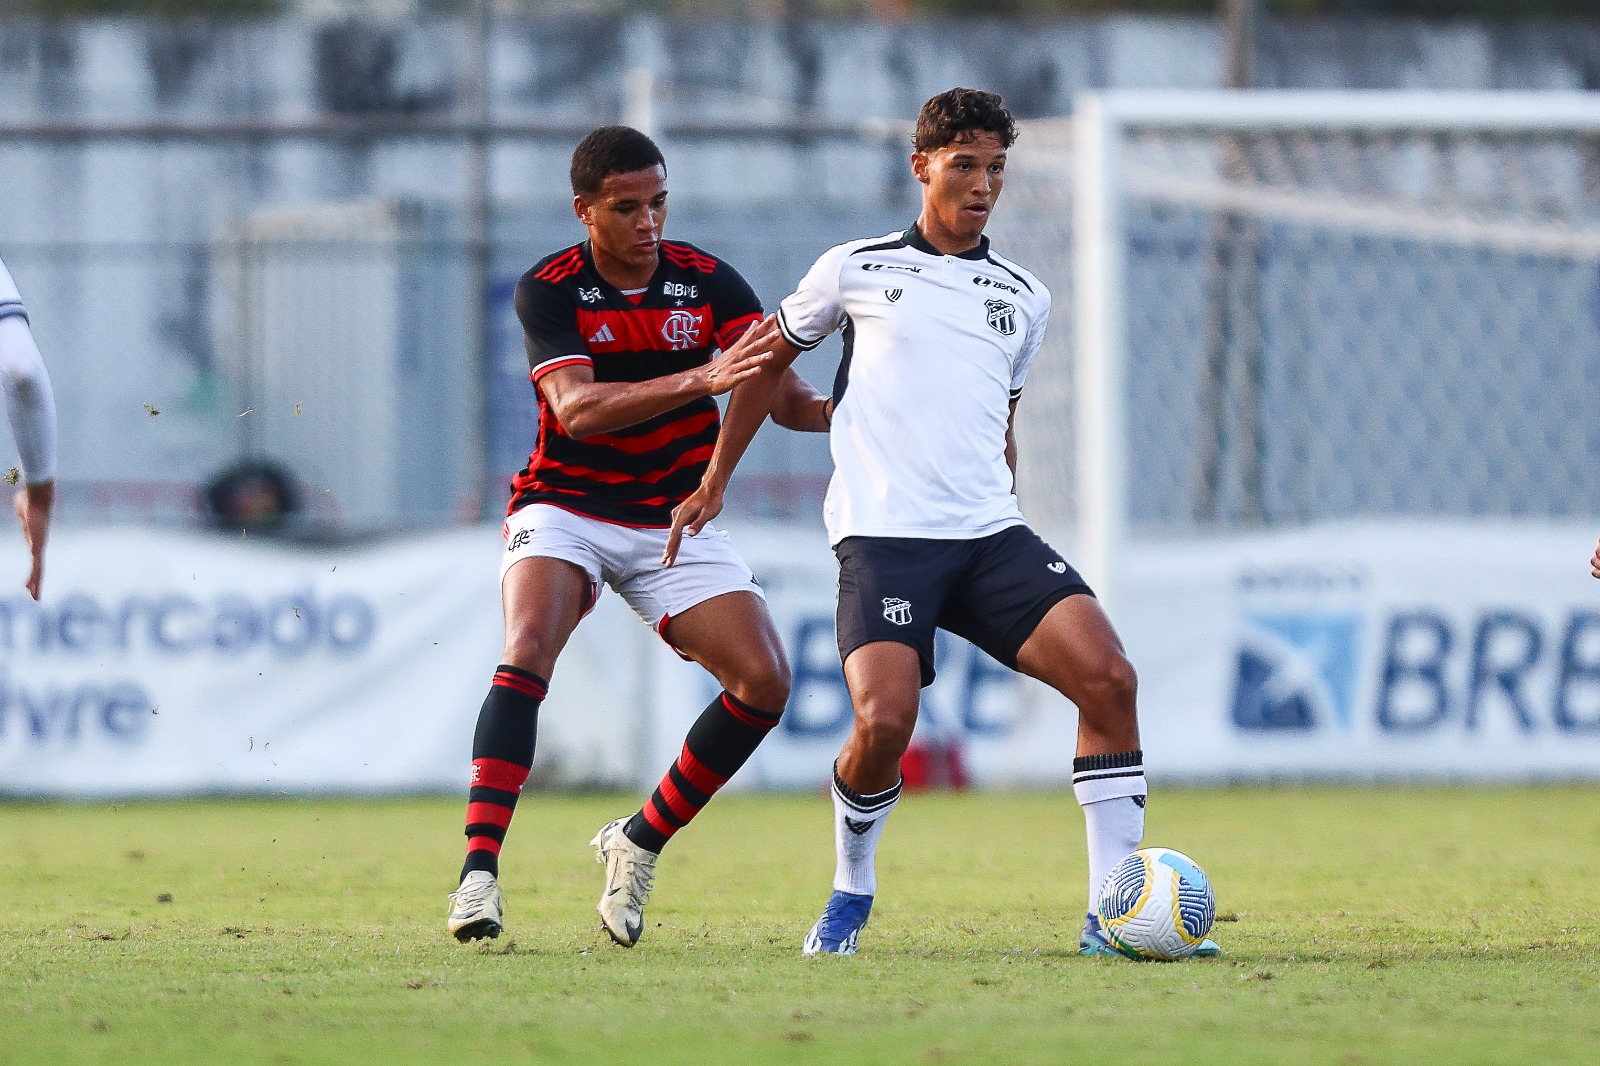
[{"x": 621, "y": 333}]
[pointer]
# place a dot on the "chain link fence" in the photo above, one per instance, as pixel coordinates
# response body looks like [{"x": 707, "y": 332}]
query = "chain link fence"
[
  {"x": 1323, "y": 320},
  {"x": 342, "y": 340}
]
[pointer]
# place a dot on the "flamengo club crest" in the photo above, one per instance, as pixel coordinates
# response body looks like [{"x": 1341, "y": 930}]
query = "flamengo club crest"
[
  {"x": 1002, "y": 316},
  {"x": 897, "y": 610},
  {"x": 682, "y": 330}
]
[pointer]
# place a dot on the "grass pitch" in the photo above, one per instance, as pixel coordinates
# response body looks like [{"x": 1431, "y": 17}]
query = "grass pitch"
[{"x": 1368, "y": 926}]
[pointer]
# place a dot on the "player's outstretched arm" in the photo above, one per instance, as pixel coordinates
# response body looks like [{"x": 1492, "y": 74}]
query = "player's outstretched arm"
[
  {"x": 748, "y": 407},
  {"x": 1594, "y": 563},
  {"x": 585, "y": 406}
]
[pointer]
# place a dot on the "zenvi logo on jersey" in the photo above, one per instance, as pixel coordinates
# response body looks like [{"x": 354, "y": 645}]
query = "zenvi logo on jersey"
[
  {"x": 897, "y": 610},
  {"x": 990, "y": 283},
  {"x": 1057, "y": 567},
  {"x": 893, "y": 294},
  {"x": 682, "y": 330},
  {"x": 1002, "y": 317}
]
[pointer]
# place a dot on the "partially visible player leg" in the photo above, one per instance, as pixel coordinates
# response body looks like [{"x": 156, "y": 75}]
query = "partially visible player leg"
[
  {"x": 1075, "y": 650},
  {"x": 884, "y": 679},
  {"x": 542, "y": 599},
  {"x": 733, "y": 637}
]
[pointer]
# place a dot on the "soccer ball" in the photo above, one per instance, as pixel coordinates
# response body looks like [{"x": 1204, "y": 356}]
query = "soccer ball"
[{"x": 1156, "y": 904}]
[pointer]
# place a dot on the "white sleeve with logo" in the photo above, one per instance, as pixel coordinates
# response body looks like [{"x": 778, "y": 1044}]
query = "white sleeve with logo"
[
  {"x": 30, "y": 402},
  {"x": 1037, "y": 324},
  {"x": 815, "y": 308}
]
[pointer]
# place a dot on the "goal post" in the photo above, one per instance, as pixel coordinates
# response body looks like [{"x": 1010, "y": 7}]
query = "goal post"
[{"x": 1277, "y": 309}]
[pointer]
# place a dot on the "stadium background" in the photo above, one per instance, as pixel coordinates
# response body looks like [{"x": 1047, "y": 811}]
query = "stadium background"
[{"x": 263, "y": 240}]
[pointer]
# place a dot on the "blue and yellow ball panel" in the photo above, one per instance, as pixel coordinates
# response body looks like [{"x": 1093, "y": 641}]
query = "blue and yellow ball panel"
[{"x": 1156, "y": 904}]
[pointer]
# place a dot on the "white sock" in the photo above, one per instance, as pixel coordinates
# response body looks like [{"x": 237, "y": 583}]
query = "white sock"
[
  {"x": 1112, "y": 790},
  {"x": 857, "y": 825}
]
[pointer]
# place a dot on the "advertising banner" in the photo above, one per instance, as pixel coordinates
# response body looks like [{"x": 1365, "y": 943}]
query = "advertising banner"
[
  {"x": 1387, "y": 651},
  {"x": 163, "y": 663},
  {"x": 166, "y": 663}
]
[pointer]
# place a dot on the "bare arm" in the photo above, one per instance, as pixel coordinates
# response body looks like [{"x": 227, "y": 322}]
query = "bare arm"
[
  {"x": 585, "y": 406},
  {"x": 748, "y": 407},
  {"x": 1594, "y": 563},
  {"x": 800, "y": 407},
  {"x": 1011, "y": 444},
  {"x": 33, "y": 503}
]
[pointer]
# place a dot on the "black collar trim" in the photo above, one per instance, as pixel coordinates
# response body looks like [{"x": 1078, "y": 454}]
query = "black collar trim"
[{"x": 914, "y": 239}]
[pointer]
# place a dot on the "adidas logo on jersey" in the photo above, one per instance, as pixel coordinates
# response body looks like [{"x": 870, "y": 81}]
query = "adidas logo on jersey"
[{"x": 603, "y": 335}]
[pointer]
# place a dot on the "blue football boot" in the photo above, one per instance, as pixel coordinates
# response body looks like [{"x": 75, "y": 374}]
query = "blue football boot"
[
  {"x": 1092, "y": 941},
  {"x": 840, "y": 926}
]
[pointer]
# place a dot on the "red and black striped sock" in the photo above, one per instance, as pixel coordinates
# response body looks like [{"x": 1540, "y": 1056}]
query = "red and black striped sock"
[
  {"x": 502, "y": 754},
  {"x": 719, "y": 742}
]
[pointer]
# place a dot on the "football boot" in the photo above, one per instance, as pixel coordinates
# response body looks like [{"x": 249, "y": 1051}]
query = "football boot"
[
  {"x": 839, "y": 928},
  {"x": 630, "y": 875},
  {"x": 477, "y": 908}
]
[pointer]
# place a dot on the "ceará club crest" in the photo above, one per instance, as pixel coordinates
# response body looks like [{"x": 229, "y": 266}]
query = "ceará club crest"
[
  {"x": 897, "y": 610},
  {"x": 1002, "y": 317}
]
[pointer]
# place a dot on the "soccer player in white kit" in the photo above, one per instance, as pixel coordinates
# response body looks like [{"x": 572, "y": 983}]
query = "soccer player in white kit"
[
  {"x": 31, "y": 409},
  {"x": 939, "y": 332}
]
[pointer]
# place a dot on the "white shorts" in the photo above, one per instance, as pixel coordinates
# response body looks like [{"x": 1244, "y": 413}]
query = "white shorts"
[{"x": 629, "y": 560}]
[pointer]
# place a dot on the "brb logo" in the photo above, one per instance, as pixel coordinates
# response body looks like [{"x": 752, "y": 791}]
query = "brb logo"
[
  {"x": 1296, "y": 670},
  {"x": 681, "y": 330},
  {"x": 1313, "y": 655}
]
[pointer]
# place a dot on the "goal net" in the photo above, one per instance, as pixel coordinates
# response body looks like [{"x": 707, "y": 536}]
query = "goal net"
[{"x": 1282, "y": 309}]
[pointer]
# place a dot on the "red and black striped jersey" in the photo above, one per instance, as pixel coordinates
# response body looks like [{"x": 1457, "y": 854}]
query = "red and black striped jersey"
[{"x": 571, "y": 316}]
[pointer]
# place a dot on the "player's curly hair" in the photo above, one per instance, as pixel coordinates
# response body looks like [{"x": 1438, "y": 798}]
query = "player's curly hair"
[
  {"x": 611, "y": 150},
  {"x": 955, "y": 114}
]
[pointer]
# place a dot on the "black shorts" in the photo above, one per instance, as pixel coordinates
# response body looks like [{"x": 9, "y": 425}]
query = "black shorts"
[{"x": 993, "y": 591}]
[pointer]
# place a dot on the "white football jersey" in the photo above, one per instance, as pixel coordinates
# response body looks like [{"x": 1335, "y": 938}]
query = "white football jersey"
[
  {"x": 936, "y": 348},
  {"x": 30, "y": 403}
]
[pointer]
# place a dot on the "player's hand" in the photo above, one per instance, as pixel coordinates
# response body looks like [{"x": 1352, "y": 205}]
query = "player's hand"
[
  {"x": 1594, "y": 564},
  {"x": 744, "y": 359},
  {"x": 33, "y": 503},
  {"x": 691, "y": 516}
]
